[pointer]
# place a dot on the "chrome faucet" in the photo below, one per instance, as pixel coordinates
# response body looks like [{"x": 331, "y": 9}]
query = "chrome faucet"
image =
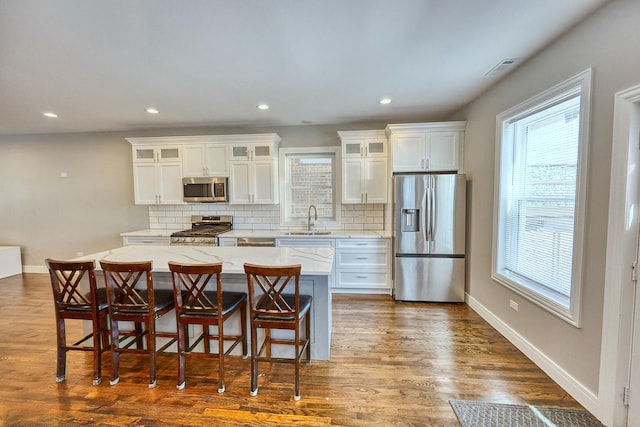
[{"x": 309, "y": 216}]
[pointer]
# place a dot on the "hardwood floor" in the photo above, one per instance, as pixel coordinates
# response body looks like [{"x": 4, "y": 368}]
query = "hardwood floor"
[{"x": 391, "y": 364}]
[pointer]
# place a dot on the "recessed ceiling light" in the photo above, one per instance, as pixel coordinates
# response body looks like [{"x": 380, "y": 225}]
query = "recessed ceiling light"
[
  {"x": 52, "y": 115},
  {"x": 152, "y": 110},
  {"x": 262, "y": 106},
  {"x": 385, "y": 101}
]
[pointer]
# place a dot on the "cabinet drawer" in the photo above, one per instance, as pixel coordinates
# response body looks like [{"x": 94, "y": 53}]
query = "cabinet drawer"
[
  {"x": 361, "y": 259},
  {"x": 155, "y": 241},
  {"x": 311, "y": 243},
  {"x": 227, "y": 241},
  {"x": 362, "y": 243},
  {"x": 347, "y": 279}
]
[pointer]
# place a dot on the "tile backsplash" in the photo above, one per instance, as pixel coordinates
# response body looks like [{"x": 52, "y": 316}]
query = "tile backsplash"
[{"x": 369, "y": 217}]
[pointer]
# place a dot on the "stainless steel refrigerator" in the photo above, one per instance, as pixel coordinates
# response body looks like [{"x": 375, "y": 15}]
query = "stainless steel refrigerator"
[{"x": 429, "y": 237}]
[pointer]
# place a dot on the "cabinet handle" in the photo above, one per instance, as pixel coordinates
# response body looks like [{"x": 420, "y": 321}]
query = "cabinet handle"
[
  {"x": 362, "y": 257},
  {"x": 362, "y": 244},
  {"x": 361, "y": 277}
]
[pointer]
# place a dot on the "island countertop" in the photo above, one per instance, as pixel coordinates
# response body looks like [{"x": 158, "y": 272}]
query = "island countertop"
[
  {"x": 315, "y": 278},
  {"x": 314, "y": 261}
]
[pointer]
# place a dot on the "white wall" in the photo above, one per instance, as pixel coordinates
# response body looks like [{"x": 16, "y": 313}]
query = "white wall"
[
  {"x": 609, "y": 43},
  {"x": 48, "y": 215}
]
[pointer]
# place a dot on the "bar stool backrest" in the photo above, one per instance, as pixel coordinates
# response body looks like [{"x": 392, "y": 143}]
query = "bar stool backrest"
[
  {"x": 190, "y": 283},
  {"x": 67, "y": 278},
  {"x": 129, "y": 286},
  {"x": 270, "y": 290}
]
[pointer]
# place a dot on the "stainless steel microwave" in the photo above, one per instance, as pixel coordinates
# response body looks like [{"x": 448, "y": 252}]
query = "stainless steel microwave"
[{"x": 204, "y": 190}]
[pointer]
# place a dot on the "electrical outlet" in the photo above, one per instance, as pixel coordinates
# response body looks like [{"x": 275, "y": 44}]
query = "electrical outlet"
[
  {"x": 513, "y": 305},
  {"x": 79, "y": 253}
]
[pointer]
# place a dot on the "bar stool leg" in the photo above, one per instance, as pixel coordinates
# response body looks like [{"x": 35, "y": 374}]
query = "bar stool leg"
[
  {"x": 254, "y": 362},
  {"x": 151, "y": 345},
  {"x": 115, "y": 354},
  {"x": 181, "y": 357},
  {"x": 62, "y": 352}
]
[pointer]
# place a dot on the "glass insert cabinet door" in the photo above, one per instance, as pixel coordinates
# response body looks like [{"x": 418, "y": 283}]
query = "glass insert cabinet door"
[
  {"x": 364, "y": 148},
  {"x": 251, "y": 151},
  {"x": 156, "y": 154}
]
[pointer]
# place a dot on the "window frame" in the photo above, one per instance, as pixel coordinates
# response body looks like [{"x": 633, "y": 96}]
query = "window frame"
[
  {"x": 580, "y": 85},
  {"x": 337, "y": 197}
]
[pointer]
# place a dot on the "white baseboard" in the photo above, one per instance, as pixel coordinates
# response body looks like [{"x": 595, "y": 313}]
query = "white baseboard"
[
  {"x": 34, "y": 269},
  {"x": 578, "y": 391}
]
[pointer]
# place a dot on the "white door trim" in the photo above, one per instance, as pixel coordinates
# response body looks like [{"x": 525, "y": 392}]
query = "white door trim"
[{"x": 622, "y": 231}]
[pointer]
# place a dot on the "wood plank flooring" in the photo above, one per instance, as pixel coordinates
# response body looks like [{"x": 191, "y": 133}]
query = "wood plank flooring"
[{"x": 391, "y": 364}]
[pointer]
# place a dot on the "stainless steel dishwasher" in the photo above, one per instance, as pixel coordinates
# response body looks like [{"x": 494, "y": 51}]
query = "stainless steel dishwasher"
[{"x": 256, "y": 241}]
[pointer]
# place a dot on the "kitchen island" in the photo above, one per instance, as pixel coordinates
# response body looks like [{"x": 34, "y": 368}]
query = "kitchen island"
[{"x": 317, "y": 266}]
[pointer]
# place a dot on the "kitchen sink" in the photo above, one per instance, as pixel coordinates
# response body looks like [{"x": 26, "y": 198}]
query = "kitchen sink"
[{"x": 307, "y": 233}]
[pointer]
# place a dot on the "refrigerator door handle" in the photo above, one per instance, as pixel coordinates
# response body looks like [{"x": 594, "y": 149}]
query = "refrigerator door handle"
[
  {"x": 425, "y": 209},
  {"x": 432, "y": 214},
  {"x": 427, "y": 213}
]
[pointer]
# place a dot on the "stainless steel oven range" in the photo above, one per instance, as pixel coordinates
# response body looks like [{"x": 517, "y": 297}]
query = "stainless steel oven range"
[{"x": 204, "y": 230}]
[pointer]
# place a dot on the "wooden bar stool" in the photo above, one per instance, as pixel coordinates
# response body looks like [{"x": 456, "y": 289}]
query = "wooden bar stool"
[
  {"x": 71, "y": 302},
  {"x": 200, "y": 300},
  {"x": 271, "y": 308},
  {"x": 141, "y": 306}
]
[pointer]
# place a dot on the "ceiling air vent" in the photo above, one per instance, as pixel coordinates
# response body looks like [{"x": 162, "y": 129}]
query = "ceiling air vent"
[{"x": 502, "y": 66}]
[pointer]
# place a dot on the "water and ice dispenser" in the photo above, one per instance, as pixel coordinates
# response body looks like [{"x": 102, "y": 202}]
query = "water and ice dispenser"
[{"x": 410, "y": 220}]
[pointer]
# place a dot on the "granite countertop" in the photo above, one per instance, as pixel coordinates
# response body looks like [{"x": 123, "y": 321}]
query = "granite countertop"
[
  {"x": 337, "y": 234},
  {"x": 148, "y": 233},
  {"x": 314, "y": 261}
]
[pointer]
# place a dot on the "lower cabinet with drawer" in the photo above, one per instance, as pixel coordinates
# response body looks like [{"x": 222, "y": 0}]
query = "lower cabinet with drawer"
[
  {"x": 227, "y": 241},
  {"x": 141, "y": 240},
  {"x": 363, "y": 266}
]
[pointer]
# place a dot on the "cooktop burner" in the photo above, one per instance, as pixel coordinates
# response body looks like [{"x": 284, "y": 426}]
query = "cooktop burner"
[{"x": 204, "y": 230}]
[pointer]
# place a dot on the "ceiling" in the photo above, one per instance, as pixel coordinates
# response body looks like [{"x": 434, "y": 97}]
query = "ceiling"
[{"x": 100, "y": 64}]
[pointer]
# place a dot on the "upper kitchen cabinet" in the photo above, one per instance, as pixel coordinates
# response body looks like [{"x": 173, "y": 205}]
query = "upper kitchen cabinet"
[
  {"x": 157, "y": 173},
  {"x": 205, "y": 160},
  {"x": 427, "y": 147},
  {"x": 156, "y": 154},
  {"x": 364, "y": 167},
  {"x": 253, "y": 170}
]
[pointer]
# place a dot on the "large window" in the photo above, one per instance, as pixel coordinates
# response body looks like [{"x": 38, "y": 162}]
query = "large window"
[
  {"x": 308, "y": 177},
  {"x": 540, "y": 196}
]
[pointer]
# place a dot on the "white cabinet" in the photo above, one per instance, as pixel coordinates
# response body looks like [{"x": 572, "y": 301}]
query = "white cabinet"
[
  {"x": 253, "y": 171},
  {"x": 146, "y": 240},
  {"x": 426, "y": 147},
  {"x": 364, "y": 167},
  {"x": 205, "y": 160},
  {"x": 10, "y": 261},
  {"x": 227, "y": 241},
  {"x": 305, "y": 242},
  {"x": 363, "y": 266},
  {"x": 157, "y": 174},
  {"x": 250, "y": 160}
]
